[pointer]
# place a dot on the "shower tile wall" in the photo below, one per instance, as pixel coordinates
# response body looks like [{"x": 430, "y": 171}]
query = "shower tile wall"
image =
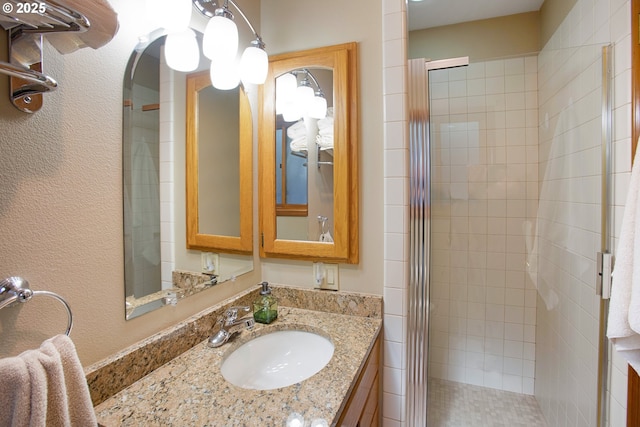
[
  {"x": 143, "y": 192},
  {"x": 166, "y": 138},
  {"x": 484, "y": 192},
  {"x": 569, "y": 233}
]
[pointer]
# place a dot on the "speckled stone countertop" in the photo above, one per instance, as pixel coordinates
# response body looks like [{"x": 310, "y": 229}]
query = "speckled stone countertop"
[{"x": 189, "y": 390}]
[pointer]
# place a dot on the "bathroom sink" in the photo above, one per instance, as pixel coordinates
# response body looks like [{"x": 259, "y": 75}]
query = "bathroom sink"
[{"x": 277, "y": 359}]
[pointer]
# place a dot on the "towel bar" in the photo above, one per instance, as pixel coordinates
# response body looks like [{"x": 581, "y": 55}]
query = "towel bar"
[
  {"x": 25, "y": 23},
  {"x": 16, "y": 290}
]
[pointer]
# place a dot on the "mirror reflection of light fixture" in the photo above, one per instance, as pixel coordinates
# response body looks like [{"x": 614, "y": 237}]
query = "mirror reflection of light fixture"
[
  {"x": 181, "y": 50},
  {"x": 220, "y": 41},
  {"x": 295, "y": 100}
]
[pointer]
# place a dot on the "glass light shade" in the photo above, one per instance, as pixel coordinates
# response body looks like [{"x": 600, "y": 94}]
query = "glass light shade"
[
  {"x": 224, "y": 74},
  {"x": 181, "y": 51},
  {"x": 318, "y": 107},
  {"x": 286, "y": 85},
  {"x": 220, "y": 40},
  {"x": 304, "y": 96},
  {"x": 291, "y": 112},
  {"x": 254, "y": 65}
]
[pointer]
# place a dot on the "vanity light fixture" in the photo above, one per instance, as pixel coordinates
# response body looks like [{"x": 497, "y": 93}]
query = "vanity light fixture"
[
  {"x": 298, "y": 99},
  {"x": 181, "y": 46},
  {"x": 219, "y": 44}
]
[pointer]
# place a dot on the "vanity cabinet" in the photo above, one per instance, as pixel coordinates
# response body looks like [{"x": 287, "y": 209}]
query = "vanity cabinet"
[{"x": 362, "y": 408}]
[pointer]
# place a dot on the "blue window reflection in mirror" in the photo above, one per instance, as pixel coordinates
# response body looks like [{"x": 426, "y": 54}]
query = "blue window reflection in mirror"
[{"x": 291, "y": 171}]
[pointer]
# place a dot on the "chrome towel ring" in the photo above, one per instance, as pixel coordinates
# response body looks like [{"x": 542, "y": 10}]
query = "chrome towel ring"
[{"x": 15, "y": 290}]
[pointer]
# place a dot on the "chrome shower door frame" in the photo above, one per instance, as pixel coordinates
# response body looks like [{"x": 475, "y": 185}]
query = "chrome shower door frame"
[{"x": 420, "y": 234}]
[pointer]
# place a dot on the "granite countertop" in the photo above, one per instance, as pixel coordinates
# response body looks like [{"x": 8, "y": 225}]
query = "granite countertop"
[{"x": 190, "y": 391}]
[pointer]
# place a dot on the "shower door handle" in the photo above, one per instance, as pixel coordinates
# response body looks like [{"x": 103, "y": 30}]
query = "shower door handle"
[{"x": 603, "y": 278}]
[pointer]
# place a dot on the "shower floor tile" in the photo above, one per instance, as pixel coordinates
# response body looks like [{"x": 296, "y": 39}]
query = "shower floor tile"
[{"x": 453, "y": 404}]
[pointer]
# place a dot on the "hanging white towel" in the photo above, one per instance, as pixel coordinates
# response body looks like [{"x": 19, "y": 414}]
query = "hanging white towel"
[
  {"x": 45, "y": 387},
  {"x": 624, "y": 308}
]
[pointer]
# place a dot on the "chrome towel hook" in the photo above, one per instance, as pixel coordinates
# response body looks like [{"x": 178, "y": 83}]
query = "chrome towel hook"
[{"x": 15, "y": 290}]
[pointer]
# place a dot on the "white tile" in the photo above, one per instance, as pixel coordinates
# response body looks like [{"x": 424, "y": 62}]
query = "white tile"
[
  {"x": 394, "y": 219},
  {"x": 393, "y": 406},
  {"x": 393, "y": 352},
  {"x": 393, "y": 381},
  {"x": 393, "y": 328},
  {"x": 394, "y": 191},
  {"x": 394, "y": 246},
  {"x": 512, "y": 366},
  {"x": 394, "y": 135},
  {"x": 395, "y": 162},
  {"x": 393, "y": 80},
  {"x": 528, "y": 386},
  {"x": 393, "y": 53},
  {"x": 514, "y": 331},
  {"x": 512, "y": 383},
  {"x": 394, "y": 107},
  {"x": 513, "y": 349},
  {"x": 493, "y": 380},
  {"x": 394, "y": 274},
  {"x": 394, "y": 301}
]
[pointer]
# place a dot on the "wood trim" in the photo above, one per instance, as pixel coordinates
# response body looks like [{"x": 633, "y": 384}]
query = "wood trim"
[
  {"x": 343, "y": 60},
  {"x": 633, "y": 380},
  {"x": 242, "y": 244},
  {"x": 362, "y": 404},
  {"x": 150, "y": 107},
  {"x": 292, "y": 210},
  {"x": 633, "y": 398}
]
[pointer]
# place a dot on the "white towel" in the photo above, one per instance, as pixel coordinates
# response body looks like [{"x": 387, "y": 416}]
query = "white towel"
[
  {"x": 45, "y": 387},
  {"x": 324, "y": 141},
  {"x": 299, "y": 144},
  {"x": 297, "y": 130},
  {"x": 326, "y": 131},
  {"x": 327, "y": 122},
  {"x": 624, "y": 308}
]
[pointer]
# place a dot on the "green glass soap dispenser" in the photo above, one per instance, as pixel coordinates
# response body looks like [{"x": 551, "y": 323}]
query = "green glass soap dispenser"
[{"x": 265, "y": 307}]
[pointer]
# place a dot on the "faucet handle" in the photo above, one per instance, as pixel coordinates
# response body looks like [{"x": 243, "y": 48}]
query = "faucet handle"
[{"x": 232, "y": 312}]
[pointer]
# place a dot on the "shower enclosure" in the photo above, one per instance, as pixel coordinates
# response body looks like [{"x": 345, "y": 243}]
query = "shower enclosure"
[{"x": 506, "y": 223}]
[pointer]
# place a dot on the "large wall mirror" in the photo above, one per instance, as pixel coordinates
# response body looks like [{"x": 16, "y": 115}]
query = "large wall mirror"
[
  {"x": 308, "y": 155},
  {"x": 163, "y": 263},
  {"x": 218, "y": 167}
]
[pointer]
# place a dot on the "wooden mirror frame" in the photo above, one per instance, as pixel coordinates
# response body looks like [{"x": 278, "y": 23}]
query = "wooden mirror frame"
[
  {"x": 343, "y": 60},
  {"x": 211, "y": 242}
]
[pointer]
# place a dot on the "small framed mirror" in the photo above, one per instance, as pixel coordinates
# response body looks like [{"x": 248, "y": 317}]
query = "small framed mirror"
[
  {"x": 218, "y": 167},
  {"x": 308, "y": 167}
]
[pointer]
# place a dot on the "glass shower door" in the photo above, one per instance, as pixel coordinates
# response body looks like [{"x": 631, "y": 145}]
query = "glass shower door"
[{"x": 506, "y": 167}]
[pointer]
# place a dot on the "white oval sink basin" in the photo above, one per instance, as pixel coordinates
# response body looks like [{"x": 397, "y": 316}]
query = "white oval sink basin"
[{"x": 277, "y": 359}]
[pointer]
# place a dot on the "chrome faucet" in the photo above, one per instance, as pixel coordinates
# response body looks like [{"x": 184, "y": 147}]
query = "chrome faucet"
[{"x": 230, "y": 324}]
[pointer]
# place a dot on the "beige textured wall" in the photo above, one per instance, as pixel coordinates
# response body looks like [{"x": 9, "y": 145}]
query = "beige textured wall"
[
  {"x": 61, "y": 205},
  {"x": 552, "y": 13},
  {"x": 307, "y": 24},
  {"x": 60, "y": 183},
  {"x": 480, "y": 40}
]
